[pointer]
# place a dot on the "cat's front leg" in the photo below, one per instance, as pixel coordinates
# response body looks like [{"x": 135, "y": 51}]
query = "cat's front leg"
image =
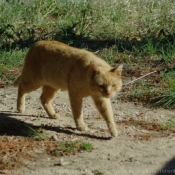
[
  {"x": 76, "y": 104},
  {"x": 104, "y": 107}
]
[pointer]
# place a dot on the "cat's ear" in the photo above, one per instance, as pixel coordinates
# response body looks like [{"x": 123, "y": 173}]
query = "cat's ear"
[
  {"x": 95, "y": 70},
  {"x": 118, "y": 69}
]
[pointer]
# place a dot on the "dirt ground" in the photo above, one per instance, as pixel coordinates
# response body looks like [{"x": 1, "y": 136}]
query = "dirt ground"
[{"x": 142, "y": 147}]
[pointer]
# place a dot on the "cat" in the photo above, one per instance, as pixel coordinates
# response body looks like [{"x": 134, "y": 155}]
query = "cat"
[{"x": 56, "y": 66}]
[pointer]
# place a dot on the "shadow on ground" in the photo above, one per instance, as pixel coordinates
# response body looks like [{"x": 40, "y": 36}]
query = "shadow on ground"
[
  {"x": 168, "y": 169},
  {"x": 12, "y": 126}
]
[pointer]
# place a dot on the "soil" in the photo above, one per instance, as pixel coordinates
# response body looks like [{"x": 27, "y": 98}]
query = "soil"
[{"x": 145, "y": 145}]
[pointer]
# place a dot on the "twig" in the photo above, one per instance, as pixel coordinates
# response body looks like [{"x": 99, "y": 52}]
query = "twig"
[
  {"x": 48, "y": 12},
  {"x": 139, "y": 78}
]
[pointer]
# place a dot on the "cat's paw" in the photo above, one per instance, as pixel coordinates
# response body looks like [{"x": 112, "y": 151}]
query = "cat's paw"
[
  {"x": 82, "y": 128},
  {"x": 55, "y": 116},
  {"x": 114, "y": 132},
  {"x": 21, "y": 109}
]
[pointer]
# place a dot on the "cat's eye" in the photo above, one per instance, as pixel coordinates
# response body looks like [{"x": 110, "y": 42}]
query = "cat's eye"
[
  {"x": 114, "y": 85},
  {"x": 102, "y": 86}
]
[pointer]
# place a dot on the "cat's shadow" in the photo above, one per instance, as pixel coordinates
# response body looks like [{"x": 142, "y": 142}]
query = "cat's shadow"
[
  {"x": 70, "y": 130},
  {"x": 12, "y": 126}
]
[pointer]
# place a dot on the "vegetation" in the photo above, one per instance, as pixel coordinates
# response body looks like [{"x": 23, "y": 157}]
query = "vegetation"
[
  {"x": 140, "y": 34},
  {"x": 61, "y": 148},
  {"x": 98, "y": 172},
  {"x": 70, "y": 148},
  {"x": 169, "y": 124},
  {"x": 17, "y": 149},
  {"x": 36, "y": 134}
]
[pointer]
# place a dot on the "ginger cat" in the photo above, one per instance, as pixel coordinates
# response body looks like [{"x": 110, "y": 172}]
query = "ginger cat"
[{"x": 56, "y": 66}]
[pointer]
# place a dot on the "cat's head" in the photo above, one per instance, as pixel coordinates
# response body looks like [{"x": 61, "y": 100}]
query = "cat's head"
[{"x": 105, "y": 83}]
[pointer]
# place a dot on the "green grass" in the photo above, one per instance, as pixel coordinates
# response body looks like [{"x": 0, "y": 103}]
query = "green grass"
[
  {"x": 98, "y": 172},
  {"x": 11, "y": 59},
  {"x": 36, "y": 134},
  {"x": 169, "y": 124},
  {"x": 10, "y": 64},
  {"x": 167, "y": 98},
  {"x": 66, "y": 148},
  {"x": 140, "y": 34},
  {"x": 101, "y": 19}
]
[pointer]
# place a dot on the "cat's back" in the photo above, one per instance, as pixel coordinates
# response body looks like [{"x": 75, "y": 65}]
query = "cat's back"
[
  {"x": 50, "y": 48},
  {"x": 47, "y": 52},
  {"x": 50, "y": 45}
]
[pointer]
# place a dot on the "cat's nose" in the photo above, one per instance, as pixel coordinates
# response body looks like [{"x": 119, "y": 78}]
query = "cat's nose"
[{"x": 108, "y": 94}]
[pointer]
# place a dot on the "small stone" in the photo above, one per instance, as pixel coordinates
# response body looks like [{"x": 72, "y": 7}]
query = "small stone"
[
  {"x": 84, "y": 171},
  {"x": 161, "y": 116},
  {"x": 153, "y": 162},
  {"x": 62, "y": 163},
  {"x": 54, "y": 137}
]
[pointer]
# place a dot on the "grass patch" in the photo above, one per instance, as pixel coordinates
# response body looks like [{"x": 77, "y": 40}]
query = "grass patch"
[
  {"x": 98, "y": 172},
  {"x": 169, "y": 124},
  {"x": 36, "y": 134},
  {"x": 167, "y": 99},
  {"x": 10, "y": 64},
  {"x": 59, "y": 149},
  {"x": 101, "y": 19},
  {"x": 70, "y": 148}
]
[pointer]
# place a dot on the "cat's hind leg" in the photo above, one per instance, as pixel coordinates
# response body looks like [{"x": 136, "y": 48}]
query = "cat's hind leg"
[
  {"x": 23, "y": 88},
  {"x": 104, "y": 107},
  {"x": 48, "y": 93},
  {"x": 21, "y": 99},
  {"x": 76, "y": 104}
]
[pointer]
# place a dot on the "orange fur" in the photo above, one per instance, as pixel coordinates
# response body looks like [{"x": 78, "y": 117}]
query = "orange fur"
[{"x": 56, "y": 66}]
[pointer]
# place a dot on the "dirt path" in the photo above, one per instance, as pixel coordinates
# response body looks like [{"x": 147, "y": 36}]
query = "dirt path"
[{"x": 142, "y": 146}]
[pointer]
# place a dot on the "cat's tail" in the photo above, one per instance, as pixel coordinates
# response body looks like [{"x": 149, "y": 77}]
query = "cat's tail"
[{"x": 17, "y": 81}]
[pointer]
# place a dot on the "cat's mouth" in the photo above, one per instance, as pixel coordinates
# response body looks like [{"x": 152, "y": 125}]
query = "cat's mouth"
[{"x": 108, "y": 95}]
